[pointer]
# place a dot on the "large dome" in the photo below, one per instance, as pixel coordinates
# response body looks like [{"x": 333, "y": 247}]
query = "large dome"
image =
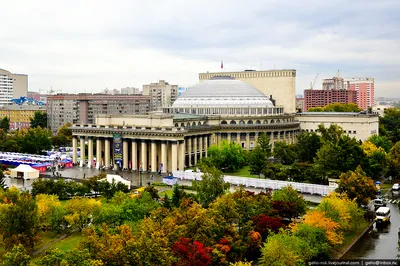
[{"x": 222, "y": 92}]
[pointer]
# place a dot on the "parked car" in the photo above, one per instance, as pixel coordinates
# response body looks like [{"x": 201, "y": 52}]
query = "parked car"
[
  {"x": 396, "y": 187},
  {"x": 379, "y": 203}
]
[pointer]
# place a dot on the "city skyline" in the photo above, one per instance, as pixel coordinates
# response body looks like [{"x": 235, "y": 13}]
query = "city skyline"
[{"x": 90, "y": 46}]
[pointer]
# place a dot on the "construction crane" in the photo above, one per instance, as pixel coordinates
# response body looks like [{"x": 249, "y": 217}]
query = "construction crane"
[{"x": 312, "y": 84}]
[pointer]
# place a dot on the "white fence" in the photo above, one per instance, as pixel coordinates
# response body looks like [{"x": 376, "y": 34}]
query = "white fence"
[{"x": 262, "y": 183}]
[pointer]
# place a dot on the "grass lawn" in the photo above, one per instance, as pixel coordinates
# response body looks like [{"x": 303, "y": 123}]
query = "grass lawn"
[
  {"x": 46, "y": 238},
  {"x": 169, "y": 192},
  {"x": 243, "y": 172},
  {"x": 349, "y": 238},
  {"x": 70, "y": 242}
]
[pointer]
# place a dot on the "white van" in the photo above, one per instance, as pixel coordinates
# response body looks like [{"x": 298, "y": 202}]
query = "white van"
[{"x": 382, "y": 215}]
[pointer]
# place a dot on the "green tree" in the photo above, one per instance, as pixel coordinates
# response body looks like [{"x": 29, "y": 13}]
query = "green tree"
[
  {"x": 336, "y": 107},
  {"x": 394, "y": 157},
  {"x": 36, "y": 140},
  {"x": 227, "y": 157},
  {"x": 357, "y": 186},
  {"x": 320, "y": 250},
  {"x": 389, "y": 124},
  {"x": 292, "y": 198},
  {"x": 19, "y": 222},
  {"x": 64, "y": 136},
  {"x": 308, "y": 143},
  {"x": 16, "y": 257},
  {"x": 211, "y": 186},
  {"x": 5, "y": 123},
  {"x": 258, "y": 157},
  {"x": 331, "y": 134},
  {"x": 285, "y": 152},
  {"x": 39, "y": 119},
  {"x": 381, "y": 141}
]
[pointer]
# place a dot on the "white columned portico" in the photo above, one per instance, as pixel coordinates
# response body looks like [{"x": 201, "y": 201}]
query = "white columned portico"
[
  {"x": 90, "y": 152},
  {"x": 74, "y": 149},
  {"x": 206, "y": 145},
  {"x": 228, "y": 137},
  {"x": 153, "y": 156},
  {"x": 125, "y": 152},
  {"x": 143, "y": 155},
  {"x": 189, "y": 140},
  {"x": 174, "y": 159},
  {"x": 163, "y": 156},
  {"x": 107, "y": 154},
  {"x": 181, "y": 162},
  {"x": 82, "y": 162},
  {"x": 134, "y": 155},
  {"x": 201, "y": 147},
  {"x": 195, "y": 148},
  {"x": 98, "y": 153}
]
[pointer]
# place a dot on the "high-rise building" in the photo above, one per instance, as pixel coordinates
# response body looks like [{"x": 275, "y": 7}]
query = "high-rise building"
[
  {"x": 320, "y": 98},
  {"x": 162, "y": 94},
  {"x": 83, "y": 108},
  {"x": 300, "y": 104},
  {"x": 280, "y": 84},
  {"x": 12, "y": 86},
  {"x": 365, "y": 91}
]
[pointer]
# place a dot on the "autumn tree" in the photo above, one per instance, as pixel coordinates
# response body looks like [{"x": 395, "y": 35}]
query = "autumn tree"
[
  {"x": 284, "y": 249},
  {"x": 381, "y": 141},
  {"x": 191, "y": 254},
  {"x": 79, "y": 211},
  {"x": 358, "y": 186},
  {"x": 377, "y": 161},
  {"x": 46, "y": 206},
  {"x": 289, "y": 202},
  {"x": 18, "y": 219},
  {"x": 318, "y": 219},
  {"x": 265, "y": 224},
  {"x": 64, "y": 136},
  {"x": 394, "y": 157},
  {"x": 56, "y": 256},
  {"x": 39, "y": 119},
  {"x": 336, "y": 107},
  {"x": 17, "y": 256},
  {"x": 211, "y": 186}
]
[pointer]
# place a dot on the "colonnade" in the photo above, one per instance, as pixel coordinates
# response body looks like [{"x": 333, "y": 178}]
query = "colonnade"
[
  {"x": 196, "y": 147},
  {"x": 145, "y": 155}
]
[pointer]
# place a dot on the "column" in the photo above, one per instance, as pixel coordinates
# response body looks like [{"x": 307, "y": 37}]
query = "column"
[
  {"x": 229, "y": 137},
  {"x": 163, "y": 156},
  {"x": 238, "y": 138},
  {"x": 107, "y": 154},
  {"x": 255, "y": 139},
  {"x": 213, "y": 139},
  {"x": 174, "y": 155},
  {"x": 195, "y": 150},
  {"x": 143, "y": 155},
  {"x": 248, "y": 141},
  {"x": 134, "y": 155},
  {"x": 206, "y": 144},
  {"x": 125, "y": 156},
  {"x": 272, "y": 140},
  {"x": 181, "y": 162},
  {"x": 82, "y": 140},
  {"x": 153, "y": 156},
  {"x": 218, "y": 139},
  {"x": 90, "y": 152},
  {"x": 279, "y": 136},
  {"x": 74, "y": 149},
  {"x": 201, "y": 147},
  {"x": 189, "y": 140},
  {"x": 98, "y": 153}
]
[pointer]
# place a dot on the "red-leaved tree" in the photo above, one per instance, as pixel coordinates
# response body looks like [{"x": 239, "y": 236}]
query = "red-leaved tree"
[
  {"x": 263, "y": 224},
  {"x": 191, "y": 254}
]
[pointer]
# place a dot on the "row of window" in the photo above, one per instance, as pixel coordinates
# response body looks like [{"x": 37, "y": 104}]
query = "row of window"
[{"x": 345, "y": 131}]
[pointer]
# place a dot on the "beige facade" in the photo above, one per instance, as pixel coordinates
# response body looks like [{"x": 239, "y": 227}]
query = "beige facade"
[
  {"x": 162, "y": 94},
  {"x": 12, "y": 86},
  {"x": 166, "y": 143},
  {"x": 360, "y": 126},
  {"x": 280, "y": 84}
]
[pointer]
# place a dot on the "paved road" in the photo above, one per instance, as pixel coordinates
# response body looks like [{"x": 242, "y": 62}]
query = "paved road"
[{"x": 381, "y": 242}]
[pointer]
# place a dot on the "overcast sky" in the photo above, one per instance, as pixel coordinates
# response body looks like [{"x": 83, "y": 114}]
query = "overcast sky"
[{"x": 89, "y": 45}]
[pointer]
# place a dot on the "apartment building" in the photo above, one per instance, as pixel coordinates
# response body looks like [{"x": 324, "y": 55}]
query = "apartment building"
[
  {"x": 12, "y": 86},
  {"x": 162, "y": 94}
]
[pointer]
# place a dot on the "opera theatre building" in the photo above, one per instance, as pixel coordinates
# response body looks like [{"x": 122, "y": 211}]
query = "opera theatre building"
[{"x": 222, "y": 108}]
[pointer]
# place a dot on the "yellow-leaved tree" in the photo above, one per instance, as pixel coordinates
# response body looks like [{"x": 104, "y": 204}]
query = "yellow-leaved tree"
[
  {"x": 46, "y": 206},
  {"x": 80, "y": 211}
]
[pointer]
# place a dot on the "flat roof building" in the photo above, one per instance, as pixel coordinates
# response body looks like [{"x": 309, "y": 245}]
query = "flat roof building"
[{"x": 12, "y": 86}]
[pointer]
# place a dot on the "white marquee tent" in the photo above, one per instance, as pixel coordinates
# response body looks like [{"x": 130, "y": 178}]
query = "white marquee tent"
[
  {"x": 117, "y": 179},
  {"x": 24, "y": 171}
]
